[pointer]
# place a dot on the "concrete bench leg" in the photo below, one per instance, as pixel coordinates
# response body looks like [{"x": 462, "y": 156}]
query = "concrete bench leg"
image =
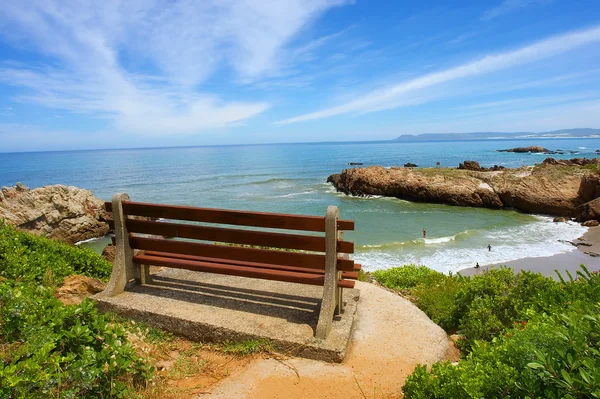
[
  {"x": 145, "y": 274},
  {"x": 331, "y": 292},
  {"x": 123, "y": 267}
]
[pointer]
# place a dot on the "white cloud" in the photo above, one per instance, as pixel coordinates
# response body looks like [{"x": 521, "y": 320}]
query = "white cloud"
[
  {"x": 397, "y": 94},
  {"x": 95, "y": 50},
  {"x": 508, "y": 6}
]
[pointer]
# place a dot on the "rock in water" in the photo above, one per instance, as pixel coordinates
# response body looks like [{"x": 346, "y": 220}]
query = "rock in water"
[
  {"x": 590, "y": 223},
  {"x": 108, "y": 253},
  {"x": 469, "y": 165},
  {"x": 63, "y": 213},
  {"x": 410, "y": 165},
  {"x": 533, "y": 148},
  {"x": 545, "y": 188}
]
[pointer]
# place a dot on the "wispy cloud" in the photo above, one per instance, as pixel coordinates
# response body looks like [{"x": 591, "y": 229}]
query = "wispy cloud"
[
  {"x": 94, "y": 52},
  {"x": 399, "y": 93},
  {"x": 508, "y": 6}
]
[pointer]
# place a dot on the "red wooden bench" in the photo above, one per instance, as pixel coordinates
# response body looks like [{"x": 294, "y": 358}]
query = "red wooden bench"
[{"x": 164, "y": 240}]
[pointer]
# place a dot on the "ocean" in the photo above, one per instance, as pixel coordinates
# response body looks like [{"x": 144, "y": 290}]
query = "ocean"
[{"x": 290, "y": 178}]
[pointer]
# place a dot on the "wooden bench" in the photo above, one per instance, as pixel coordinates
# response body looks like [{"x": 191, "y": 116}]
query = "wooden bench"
[{"x": 163, "y": 240}]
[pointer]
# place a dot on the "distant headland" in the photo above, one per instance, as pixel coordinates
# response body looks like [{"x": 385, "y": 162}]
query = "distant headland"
[{"x": 586, "y": 133}]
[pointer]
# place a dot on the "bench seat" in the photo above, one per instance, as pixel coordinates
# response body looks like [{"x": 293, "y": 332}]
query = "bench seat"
[{"x": 290, "y": 274}]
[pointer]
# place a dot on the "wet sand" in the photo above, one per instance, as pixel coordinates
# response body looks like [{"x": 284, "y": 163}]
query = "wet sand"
[{"x": 568, "y": 261}]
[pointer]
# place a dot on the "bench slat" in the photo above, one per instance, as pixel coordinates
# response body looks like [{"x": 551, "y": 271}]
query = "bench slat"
[
  {"x": 243, "y": 271},
  {"x": 236, "y": 236},
  {"x": 349, "y": 275},
  {"x": 234, "y": 217},
  {"x": 311, "y": 261}
]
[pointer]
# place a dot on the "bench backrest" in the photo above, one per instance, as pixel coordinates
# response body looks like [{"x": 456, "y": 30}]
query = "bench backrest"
[{"x": 171, "y": 235}]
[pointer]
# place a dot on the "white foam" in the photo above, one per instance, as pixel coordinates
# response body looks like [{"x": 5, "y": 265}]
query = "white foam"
[
  {"x": 532, "y": 240},
  {"x": 439, "y": 240},
  {"x": 90, "y": 240}
]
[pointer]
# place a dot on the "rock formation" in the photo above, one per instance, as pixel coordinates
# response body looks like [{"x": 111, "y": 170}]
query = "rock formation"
[
  {"x": 410, "y": 165},
  {"x": 64, "y": 213},
  {"x": 76, "y": 288},
  {"x": 469, "y": 165},
  {"x": 533, "y": 148},
  {"x": 108, "y": 253},
  {"x": 545, "y": 189}
]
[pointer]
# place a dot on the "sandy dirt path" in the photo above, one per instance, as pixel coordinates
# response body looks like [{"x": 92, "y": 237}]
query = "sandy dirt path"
[{"x": 391, "y": 337}]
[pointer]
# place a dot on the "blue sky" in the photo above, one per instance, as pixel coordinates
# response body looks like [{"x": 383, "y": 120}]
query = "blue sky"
[{"x": 140, "y": 73}]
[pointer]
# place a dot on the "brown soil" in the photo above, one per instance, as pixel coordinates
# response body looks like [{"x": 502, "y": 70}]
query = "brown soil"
[
  {"x": 76, "y": 288},
  {"x": 184, "y": 369}
]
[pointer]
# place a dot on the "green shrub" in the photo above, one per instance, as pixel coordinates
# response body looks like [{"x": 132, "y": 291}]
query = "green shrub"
[
  {"x": 27, "y": 257},
  {"x": 48, "y": 349},
  {"x": 553, "y": 357},
  {"x": 438, "y": 300},
  {"x": 550, "y": 348},
  {"x": 405, "y": 277},
  {"x": 489, "y": 303}
]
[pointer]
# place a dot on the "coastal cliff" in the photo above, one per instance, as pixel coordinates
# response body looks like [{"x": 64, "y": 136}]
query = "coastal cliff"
[
  {"x": 59, "y": 212},
  {"x": 552, "y": 188}
]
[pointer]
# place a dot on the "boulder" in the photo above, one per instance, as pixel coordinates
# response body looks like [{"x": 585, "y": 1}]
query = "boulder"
[
  {"x": 76, "y": 288},
  {"x": 108, "y": 253},
  {"x": 354, "y": 163},
  {"x": 588, "y": 211},
  {"x": 570, "y": 162},
  {"x": 469, "y": 165},
  {"x": 590, "y": 223},
  {"x": 533, "y": 148},
  {"x": 410, "y": 165},
  {"x": 558, "y": 219},
  {"x": 68, "y": 214}
]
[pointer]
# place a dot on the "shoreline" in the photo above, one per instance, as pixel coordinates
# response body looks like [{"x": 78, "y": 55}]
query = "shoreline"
[{"x": 563, "y": 262}]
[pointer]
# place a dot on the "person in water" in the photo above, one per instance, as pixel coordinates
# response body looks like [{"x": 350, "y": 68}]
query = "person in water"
[
  {"x": 489, "y": 247},
  {"x": 477, "y": 265},
  {"x": 424, "y": 233}
]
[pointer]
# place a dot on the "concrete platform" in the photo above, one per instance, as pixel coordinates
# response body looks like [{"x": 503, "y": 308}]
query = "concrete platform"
[{"x": 215, "y": 308}]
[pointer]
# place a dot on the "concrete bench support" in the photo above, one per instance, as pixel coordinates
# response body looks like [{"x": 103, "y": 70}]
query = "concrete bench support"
[
  {"x": 332, "y": 302},
  {"x": 124, "y": 270}
]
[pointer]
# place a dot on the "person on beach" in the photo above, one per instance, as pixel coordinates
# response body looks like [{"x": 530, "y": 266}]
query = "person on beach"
[
  {"x": 489, "y": 247},
  {"x": 424, "y": 233},
  {"x": 477, "y": 265}
]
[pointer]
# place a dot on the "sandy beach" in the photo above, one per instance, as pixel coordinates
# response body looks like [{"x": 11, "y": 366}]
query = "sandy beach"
[{"x": 587, "y": 253}]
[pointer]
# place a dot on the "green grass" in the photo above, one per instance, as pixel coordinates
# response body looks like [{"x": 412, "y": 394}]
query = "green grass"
[{"x": 244, "y": 348}]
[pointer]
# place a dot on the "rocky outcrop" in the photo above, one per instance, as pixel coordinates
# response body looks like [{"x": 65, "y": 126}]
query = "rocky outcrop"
[
  {"x": 589, "y": 211},
  {"x": 76, "y": 288},
  {"x": 570, "y": 162},
  {"x": 544, "y": 189},
  {"x": 410, "y": 165},
  {"x": 533, "y": 148},
  {"x": 108, "y": 253},
  {"x": 68, "y": 214},
  {"x": 469, "y": 165}
]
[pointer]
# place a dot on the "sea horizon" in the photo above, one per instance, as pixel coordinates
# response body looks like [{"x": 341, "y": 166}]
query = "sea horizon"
[
  {"x": 393, "y": 140},
  {"x": 291, "y": 178}
]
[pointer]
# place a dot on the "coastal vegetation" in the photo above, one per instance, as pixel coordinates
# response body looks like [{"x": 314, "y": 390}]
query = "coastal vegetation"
[
  {"x": 50, "y": 349},
  {"x": 521, "y": 335}
]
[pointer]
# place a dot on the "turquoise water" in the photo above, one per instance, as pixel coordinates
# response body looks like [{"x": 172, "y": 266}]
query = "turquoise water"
[{"x": 291, "y": 178}]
